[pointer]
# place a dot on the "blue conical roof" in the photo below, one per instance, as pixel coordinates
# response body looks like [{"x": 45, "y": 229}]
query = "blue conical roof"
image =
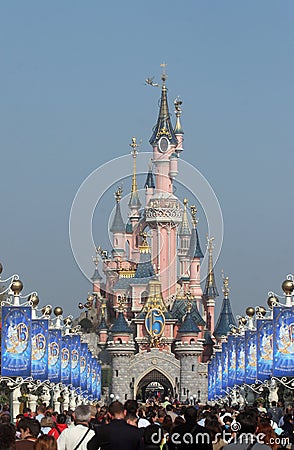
[
  {"x": 150, "y": 180},
  {"x": 195, "y": 249},
  {"x": 96, "y": 275},
  {"x": 189, "y": 325},
  {"x": 120, "y": 325},
  {"x": 225, "y": 319},
  {"x": 179, "y": 310},
  {"x": 102, "y": 325},
  {"x": 118, "y": 225},
  {"x": 163, "y": 125}
]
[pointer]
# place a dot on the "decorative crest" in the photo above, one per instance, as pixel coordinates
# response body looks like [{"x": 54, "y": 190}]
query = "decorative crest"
[
  {"x": 226, "y": 288},
  {"x": 121, "y": 304},
  {"x": 210, "y": 245},
  {"x": 193, "y": 214},
  {"x": 118, "y": 194}
]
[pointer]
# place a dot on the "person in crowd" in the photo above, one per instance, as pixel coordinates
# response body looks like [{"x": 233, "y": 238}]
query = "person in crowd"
[
  {"x": 117, "y": 435},
  {"x": 170, "y": 412},
  {"x": 153, "y": 438},
  {"x": 45, "y": 442},
  {"x": 29, "y": 432},
  {"x": 265, "y": 428},
  {"x": 198, "y": 436},
  {"x": 275, "y": 411},
  {"x": 245, "y": 438},
  {"x": 131, "y": 419},
  {"x": 59, "y": 426},
  {"x": 288, "y": 426},
  {"x": 40, "y": 412},
  {"x": 77, "y": 437},
  {"x": 7, "y": 436},
  {"x": 47, "y": 423},
  {"x": 5, "y": 417},
  {"x": 179, "y": 420},
  {"x": 167, "y": 424},
  {"x": 216, "y": 434},
  {"x": 142, "y": 422}
]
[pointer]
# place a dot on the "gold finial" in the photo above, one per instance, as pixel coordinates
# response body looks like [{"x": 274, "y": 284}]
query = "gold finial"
[
  {"x": 178, "y": 103},
  {"x": 134, "y": 145},
  {"x": 144, "y": 247},
  {"x": 185, "y": 202},
  {"x": 101, "y": 252},
  {"x": 226, "y": 288},
  {"x": 121, "y": 304},
  {"x": 96, "y": 257},
  {"x": 210, "y": 245},
  {"x": 189, "y": 301},
  {"x": 118, "y": 194},
  {"x": 163, "y": 75},
  {"x": 193, "y": 214},
  {"x": 103, "y": 307}
]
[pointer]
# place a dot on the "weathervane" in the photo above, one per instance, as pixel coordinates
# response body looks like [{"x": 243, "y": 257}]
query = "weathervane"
[{"x": 150, "y": 81}]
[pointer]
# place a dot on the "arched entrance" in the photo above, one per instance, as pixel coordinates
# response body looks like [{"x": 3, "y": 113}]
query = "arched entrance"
[{"x": 154, "y": 384}]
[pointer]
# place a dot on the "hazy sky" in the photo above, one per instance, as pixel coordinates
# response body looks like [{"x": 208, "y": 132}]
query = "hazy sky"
[{"x": 73, "y": 94}]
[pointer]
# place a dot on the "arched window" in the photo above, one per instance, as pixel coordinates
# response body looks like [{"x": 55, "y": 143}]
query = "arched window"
[
  {"x": 192, "y": 341},
  {"x": 119, "y": 341},
  {"x": 116, "y": 373},
  {"x": 193, "y": 367},
  {"x": 144, "y": 296}
]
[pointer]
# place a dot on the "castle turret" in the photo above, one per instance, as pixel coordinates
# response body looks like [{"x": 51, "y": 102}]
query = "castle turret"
[
  {"x": 226, "y": 318},
  {"x": 184, "y": 233},
  {"x": 163, "y": 212},
  {"x": 96, "y": 278},
  {"x": 102, "y": 329},
  {"x": 195, "y": 255},
  {"x": 118, "y": 229},
  {"x": 121, "y": 347},
  {"x": 189, "y": 349},
  {"x": 149, "y": 185},
  {"x": 210, "y": 290}
]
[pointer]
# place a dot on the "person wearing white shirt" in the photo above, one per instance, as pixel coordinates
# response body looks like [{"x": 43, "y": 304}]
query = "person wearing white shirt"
[{"x": 77, "y": 437}]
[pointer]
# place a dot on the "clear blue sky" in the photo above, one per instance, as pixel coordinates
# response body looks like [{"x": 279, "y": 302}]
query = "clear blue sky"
[{"x": 73, "y": 94}]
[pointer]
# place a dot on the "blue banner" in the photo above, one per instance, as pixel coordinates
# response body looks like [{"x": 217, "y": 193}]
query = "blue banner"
[
  {"x": 283, "y": 322},
  {"x": 40, "y": 349},
  {"x": 89, "y": 372},
  {"x": 75, "y": 360},
  {"x": 209, "y": 381},
  {"x": 83, "y": 365},
  {"x": 65, "y": 359},
  {"x": 224, "y": 367},
  {"x": 54, "y": 356},
  {"x": 250, "y": 357},
  {"x": 94, "y": 376},
  {"x": 264, "y": 348},
  {"x": 16, "y": 351},
  {"x": 98, "y": 391},
  {"x": 218, "y": 371},
  {"x": 231, "y": 360},
  {"x": 240, "y": 360}
]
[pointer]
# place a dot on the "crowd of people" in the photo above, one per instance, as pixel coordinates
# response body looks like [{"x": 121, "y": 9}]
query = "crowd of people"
[{"x": 150, "y": 426}]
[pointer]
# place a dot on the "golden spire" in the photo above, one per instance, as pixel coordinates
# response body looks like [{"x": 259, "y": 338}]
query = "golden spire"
[
  {"x": 184, "y": 227},
  {"x": 103, "y": 308},
  {"x": 134, "y": 153},
  {"x": 144, "y": 247},
  {"x": 226, "y": 288},
  {"x": 178, "y": 128},
  {"x": 210, "y": 290}
]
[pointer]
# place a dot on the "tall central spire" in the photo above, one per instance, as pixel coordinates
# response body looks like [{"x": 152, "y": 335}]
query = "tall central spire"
[
  {"x": 210, "y": 291},
  {"x": 134, "y": 199},
  {"x": 163, "y": 126}
]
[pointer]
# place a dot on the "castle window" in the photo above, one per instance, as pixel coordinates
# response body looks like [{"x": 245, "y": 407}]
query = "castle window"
[
  {"x": 119, "y": 341},
  {"x": 184, "y": 391},
  {"x": 192, "y": 341},
  {"x": 193, "y": 367},
  {"x": 144, "y": 296},
  {"x": 198, "y": 268},
  {"x": 116, "y": 373}
]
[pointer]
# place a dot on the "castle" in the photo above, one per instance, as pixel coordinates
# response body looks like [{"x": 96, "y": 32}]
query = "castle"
[{"x": 154, "y": 327}]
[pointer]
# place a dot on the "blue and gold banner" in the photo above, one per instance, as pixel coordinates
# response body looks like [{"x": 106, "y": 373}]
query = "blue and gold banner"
[
  {"x": 231, "y": 360},
  {"x": 75, "y": 360},
  {"x": 224, "y": 367},
  {"x": 240, "y": 360},
  {"x": 218, "y": 370},
  {"x": 264, "y": 348},
  {"x": 89, "y": 372},
  {"x": 16, "y": 351},
  {"x": 98, "y": 373},
  {"x": 283, "y": 323},
  {"x": 250, "y": 357},
  {"x": 94, "y": 376},
  {"x": 40, "y": 349},
  {"x": 83, "y": 366},
  {"x": 54, "y": 356},
  {"x": 65, "y": 359}
]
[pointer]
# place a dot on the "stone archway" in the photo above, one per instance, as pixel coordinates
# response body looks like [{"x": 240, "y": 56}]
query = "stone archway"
[{"x": 157, "y": 383}]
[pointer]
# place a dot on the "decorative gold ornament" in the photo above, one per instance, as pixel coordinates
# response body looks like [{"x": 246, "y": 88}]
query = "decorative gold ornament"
[
  {"x": 46, "y": 310},
  {"x": 34, "y": 300},
  {"x": 288, "y": 287},
  {"x": 250, "y": 311},
  {"x": 67, "y": 321},
  {"x": 16, "y": 287},
  {"x": 260, "y": 311},
  {"x": 272, "y": 301},
  {"x": 58, "y": 311}
]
